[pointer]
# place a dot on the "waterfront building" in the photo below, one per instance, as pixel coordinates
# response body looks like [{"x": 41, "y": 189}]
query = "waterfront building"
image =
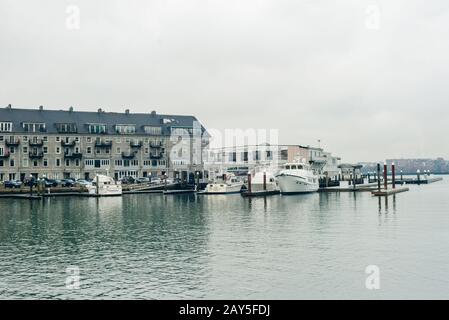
[
  {"x": 243, "y": 159},
  {"x": 68, "y": 143}
]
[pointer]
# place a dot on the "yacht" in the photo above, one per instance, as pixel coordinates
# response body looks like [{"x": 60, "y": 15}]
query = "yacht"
[
  {"x": 104, "y": 186},
  {"x": 297, "y": 178},
  {"x": 229, "y": 184}
]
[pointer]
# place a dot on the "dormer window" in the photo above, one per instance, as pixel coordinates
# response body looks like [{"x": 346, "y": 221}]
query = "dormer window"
[
  {"x": 152, "y": 130},
  {"x": 34, "y": 127},
  {"x": 96, "y": 128},
  {"x": 66, "y": 127},
  {"x": 125, "y": 128},
  {"x": 5, "y": 126}
]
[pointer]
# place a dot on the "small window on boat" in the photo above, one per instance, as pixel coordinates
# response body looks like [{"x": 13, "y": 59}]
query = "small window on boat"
[
  {"x": 300, "y": 167},
  {"x": 287, "y": 167},
  {"x": 271, "y": 180},
  {"x": 293, "y": 167}
]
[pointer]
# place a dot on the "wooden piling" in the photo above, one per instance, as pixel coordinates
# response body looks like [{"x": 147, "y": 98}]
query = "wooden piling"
[
  {"x": 378, "y": 177},
  {"x": 385, "y": 176},
  {"x": 393, "y": 177},
  {"x": 249, "y": 182},
  {"x": 264, "y": 180}
]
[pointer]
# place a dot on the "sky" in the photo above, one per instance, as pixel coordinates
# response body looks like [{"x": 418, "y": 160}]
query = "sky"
[{"x": 366, "y": 78}]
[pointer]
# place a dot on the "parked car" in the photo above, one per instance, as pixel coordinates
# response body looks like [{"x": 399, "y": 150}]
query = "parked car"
[
  {"x": 67, "y": 182},
  {"x": 128, "y": 180},
  {"x": 29, "y": 182},
  {"x": 82, "y": 183},
  {"x": 143, "y": 180},
  {"x": 13, "y": 184},
  {"x": 50, "y": 183},
  {"x": 156, "y": 180}
]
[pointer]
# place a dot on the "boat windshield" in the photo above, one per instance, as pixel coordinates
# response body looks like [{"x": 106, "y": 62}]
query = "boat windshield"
[
  {"x": 293, "y": 167},
  {"x": 287, "y": 167}
]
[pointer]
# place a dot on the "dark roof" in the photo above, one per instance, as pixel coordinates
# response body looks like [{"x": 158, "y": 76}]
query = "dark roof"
[{"x": 81, "y": 118}]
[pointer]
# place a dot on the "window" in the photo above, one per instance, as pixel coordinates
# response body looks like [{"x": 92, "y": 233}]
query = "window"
[
  {"x": 67, "y": 162},
  {"x": 5, "y": 126},
  {"x": 118, "y": 151},
  {"x": 25, "y": 150},
  {"x": 118, "y": 140},
  {"x": 45, "y": 162},
  {"x": 45, "y": 138},
  {"x": 125, "y": 128},
  {"x": 1, "y": 138},
  {"x": 58, "y": 150},
  {"x": 97, "y": 150},
  {"x": 11, "y": 150},
  {"x": 77, "y": 162},
  {"x": 25, "y": 138},
  {"x": 58, "y": 162},
  {"x": 35, "y": 163},
  {"x": 118, "y": 163},
  {"x": 25, "y": 163},
  {"x": 58, "y": 139},
  {"x": 88, "y": 139},
  {"x": 96, "y": 128},
  {"x": 89, "y": 162},
  {"x": 152, "y": 130},
  {"x": 45, "y": 149},
  {"x": 147, "y": 150},
  {"x": 34, "y": 127},
  {"x": 11, "y": 163},
  {"x": 89, "y": 150},
  {"x": 1, "y": 163},
  {"x": 66, "y": 127}
]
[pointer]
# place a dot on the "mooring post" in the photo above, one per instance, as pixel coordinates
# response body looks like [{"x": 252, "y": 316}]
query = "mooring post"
[
  {"x": 385, "y": 176},
  {"x": 378, "y": 177},
  {"x": 249, "y": 182},
  {"x": 354, "y": 178},
  {"x": 393, "y": 177},
  {"x": 402, "y": 177},
  {"x": 418, "y": 176},
  {"x": 369, "y": 179},
  {"x": 264, "y": 180}
]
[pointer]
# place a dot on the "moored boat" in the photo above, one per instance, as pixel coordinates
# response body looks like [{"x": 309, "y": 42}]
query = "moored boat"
[
  {"x": 104, "y": 186},
  {"x": 297, "y": 178}
]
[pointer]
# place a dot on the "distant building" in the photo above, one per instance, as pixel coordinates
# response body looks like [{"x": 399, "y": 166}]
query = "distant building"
[
  {"x": 63, "y": 144},
  {"x": 243, "y": 159},
  {"x": 438, "y": 165}
]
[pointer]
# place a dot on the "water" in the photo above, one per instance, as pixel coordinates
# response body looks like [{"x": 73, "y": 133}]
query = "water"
[{"x": 187, "y": 246}]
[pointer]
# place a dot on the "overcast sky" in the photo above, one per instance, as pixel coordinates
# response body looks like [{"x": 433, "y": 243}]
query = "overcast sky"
[{"x": 368, "y": 78}]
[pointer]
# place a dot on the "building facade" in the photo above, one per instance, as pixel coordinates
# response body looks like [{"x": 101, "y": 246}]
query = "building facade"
[
  {"x": 243, "y": 159},
  {"x": 63, "y": 144}
]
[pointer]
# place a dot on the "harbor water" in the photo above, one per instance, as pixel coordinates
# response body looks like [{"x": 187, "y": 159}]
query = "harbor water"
[{"x": 154, "y": 246}]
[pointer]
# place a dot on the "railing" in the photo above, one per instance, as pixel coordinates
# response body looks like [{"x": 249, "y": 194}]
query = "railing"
[
  {"x": 103, "y": 144},
  {"x": 5, "y": 155},
  {"x": 12, "y": 143},
  {"x": 135, "y": 144},
  {"x": 74, "y": 155},
  {"x": 156, "y": 156},
  {"x": 130, "y": 155},
  {"x": 35, "y": 155},
  {"x": 156, "y": 144},
  {"x": 68, "y": 144},
  {"x": 36, "y": 143}
]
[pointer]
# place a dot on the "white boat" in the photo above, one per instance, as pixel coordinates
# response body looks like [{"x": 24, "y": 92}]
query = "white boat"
[
  {"x": 104, "y": 186},
  {"x": 257, "y": 182},
  {"x": 230, "y": 184},
  {"x": 297, "y": 178}
]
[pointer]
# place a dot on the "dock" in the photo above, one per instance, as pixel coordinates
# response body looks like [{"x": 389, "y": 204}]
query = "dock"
[
  {"x": 20, "y": 196},
  {"x": 389, "y": 192},
  {"x": 261, "y": 193},
  {"x": 179, "y": 191}
]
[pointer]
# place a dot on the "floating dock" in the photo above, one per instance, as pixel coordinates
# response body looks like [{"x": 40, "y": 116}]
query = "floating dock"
[
  {"x": 179, "y": 191},
  {"x": 261, "y": 193},
  {"x": 389, "y": 192}
]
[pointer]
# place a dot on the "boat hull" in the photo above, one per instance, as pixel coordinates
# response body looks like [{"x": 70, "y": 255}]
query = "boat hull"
[
  {"x": 290, "y": 184},
  {"x": 220, "y": 188}
]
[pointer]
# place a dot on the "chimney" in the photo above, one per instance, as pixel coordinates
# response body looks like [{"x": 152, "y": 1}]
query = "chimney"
[
  {"x": 41, "y": 108},
  {"x": 99, "y": 110},
  {"x": 153, "y": 113},
  {"x": 71, "y": 109},
  {"x": 127, "y": 111}
]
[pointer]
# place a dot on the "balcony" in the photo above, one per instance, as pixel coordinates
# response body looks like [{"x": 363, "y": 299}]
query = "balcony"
[
  {"x": 135, "y": 144},
  {"x": 35, "y": 155},
  {"x": 156, "y": 144},
  {"x": 103, "y": 144},
  {"x": 36, "y": 143},
  {"x": 12, "y": 143},
  {"x": 156, "y": 156},
  {"x": 5, "y": 155},
  {"x": 73, "y": 155},
  {"x": 68, "y": 144},
  {"x": 130, "y": 155}
]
